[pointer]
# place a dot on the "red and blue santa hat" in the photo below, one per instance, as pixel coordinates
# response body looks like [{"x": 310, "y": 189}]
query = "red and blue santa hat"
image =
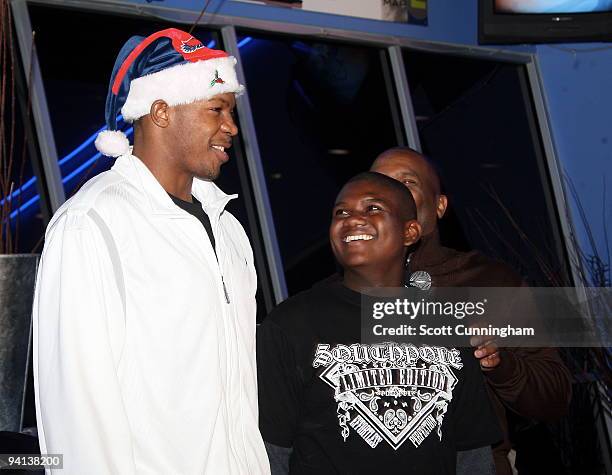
[{"x": 170, "y": 65}]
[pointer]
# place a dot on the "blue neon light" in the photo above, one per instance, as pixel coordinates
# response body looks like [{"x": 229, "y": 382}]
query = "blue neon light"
[
  {"x": 19, "y": 190},
  {"x": 86, "y": 143},
  {"x": 68, "y": 157},
  {"x": 303, "y": 47},
  {"x": 27, "y": 204},
  {"x": 244, "y": 41},
  {"x": 89, "y": 162},
  {"x": 80, "y": 168},
  {"x": 65, "y": 180}
]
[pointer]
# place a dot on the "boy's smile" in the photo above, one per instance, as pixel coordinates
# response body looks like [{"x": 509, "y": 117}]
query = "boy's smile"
[{"x": 358, "y": 237}]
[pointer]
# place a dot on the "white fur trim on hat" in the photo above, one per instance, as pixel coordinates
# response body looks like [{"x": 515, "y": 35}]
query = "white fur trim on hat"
[
  {"x": 181, "y": 84},
  {"x": 112, "y": 143}
]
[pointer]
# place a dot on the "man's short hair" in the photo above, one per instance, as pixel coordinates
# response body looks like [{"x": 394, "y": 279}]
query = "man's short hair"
[
  {"x": 407, "y": 206},
  {"x": 435, "y": 167}
]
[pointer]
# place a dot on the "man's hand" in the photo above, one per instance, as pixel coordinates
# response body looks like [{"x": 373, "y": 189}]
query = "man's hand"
[{"x": 486, "y": 351}]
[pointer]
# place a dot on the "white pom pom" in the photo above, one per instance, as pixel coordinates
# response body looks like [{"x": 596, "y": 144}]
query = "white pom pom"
[{"x": 112, "y": 143}]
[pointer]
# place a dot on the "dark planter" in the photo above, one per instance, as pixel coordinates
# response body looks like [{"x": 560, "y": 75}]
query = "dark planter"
[{"x": 17, "y": 279}]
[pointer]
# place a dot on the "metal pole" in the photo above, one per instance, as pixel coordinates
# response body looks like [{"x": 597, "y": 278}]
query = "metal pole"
[
  {"x": 40, "y": 112},
  {"x": 404, "y": 97},
  {"x": 256, "y": 171},
  {"x": 555, "y": 171}
]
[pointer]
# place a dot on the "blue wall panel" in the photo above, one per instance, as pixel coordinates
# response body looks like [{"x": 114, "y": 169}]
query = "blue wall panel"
[{"x": 578, "y": 90}]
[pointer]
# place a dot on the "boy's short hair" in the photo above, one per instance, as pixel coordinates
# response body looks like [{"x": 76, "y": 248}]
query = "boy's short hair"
[{"x": 407, "y": 206}]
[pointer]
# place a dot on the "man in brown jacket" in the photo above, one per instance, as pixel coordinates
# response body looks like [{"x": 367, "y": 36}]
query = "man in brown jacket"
[{"x": 531, "y": 382}]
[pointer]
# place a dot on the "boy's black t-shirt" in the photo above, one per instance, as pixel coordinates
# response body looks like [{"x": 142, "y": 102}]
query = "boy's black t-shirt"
[{"x": 346, "y": 407}]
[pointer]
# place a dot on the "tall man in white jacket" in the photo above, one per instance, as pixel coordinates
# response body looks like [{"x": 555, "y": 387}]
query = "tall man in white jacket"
[{"x": 144, "y": 313}]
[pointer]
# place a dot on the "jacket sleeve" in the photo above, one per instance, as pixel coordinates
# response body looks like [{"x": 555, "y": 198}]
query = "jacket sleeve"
[
  {"x": 533, "y": 382},
  {"x": 78, "y": 318}
]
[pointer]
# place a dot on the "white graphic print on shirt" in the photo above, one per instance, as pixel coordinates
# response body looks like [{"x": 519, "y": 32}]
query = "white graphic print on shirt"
[{"x": 389, "y": 391}]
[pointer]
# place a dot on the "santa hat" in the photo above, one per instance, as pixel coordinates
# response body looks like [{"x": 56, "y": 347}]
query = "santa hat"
[{"x": 170, "y": 65}]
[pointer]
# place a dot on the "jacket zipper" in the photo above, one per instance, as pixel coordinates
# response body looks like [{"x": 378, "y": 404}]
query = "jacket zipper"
[
  {"x": 215, "y": 234},
  {"x": 227, "y": 299},
  {"x": 225, "y": 292}
]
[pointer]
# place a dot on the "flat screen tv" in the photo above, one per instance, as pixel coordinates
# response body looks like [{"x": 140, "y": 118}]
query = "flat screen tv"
[{"x": 544, "y": 21}]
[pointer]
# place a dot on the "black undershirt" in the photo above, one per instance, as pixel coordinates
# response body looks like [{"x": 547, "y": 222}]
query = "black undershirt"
[{"x": 195, "y": 209}]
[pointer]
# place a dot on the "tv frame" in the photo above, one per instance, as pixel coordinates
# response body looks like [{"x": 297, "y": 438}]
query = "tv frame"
[{"x": 520, "y": 28}]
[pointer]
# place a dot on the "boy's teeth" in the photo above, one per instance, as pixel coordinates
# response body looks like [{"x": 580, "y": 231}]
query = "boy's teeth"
[
  {"x": 360, "y": 237},
  {"x": 218, "y": 147}
]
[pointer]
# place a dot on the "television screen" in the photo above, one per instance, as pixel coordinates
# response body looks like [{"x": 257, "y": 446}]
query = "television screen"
[
  {"x": 544, "y": 21},
  {"x": 553, "y": 6}
]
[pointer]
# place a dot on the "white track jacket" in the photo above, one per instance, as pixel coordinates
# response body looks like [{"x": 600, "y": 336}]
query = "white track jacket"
[{"x": 144, "y": 343}]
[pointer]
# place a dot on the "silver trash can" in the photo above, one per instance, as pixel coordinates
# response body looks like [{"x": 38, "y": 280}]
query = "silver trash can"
[{"x": 17, "y": 280}]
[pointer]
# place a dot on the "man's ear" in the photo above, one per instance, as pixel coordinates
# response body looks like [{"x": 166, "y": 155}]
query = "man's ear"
[
  {"x": 441, "y": 205},
  {"x": 159, "y": 114},
  {"x": 412, "y": 232}
]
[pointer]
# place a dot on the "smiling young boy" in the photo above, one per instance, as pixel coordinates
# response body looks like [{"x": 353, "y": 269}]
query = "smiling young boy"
[{"x": 331, "y": 404}]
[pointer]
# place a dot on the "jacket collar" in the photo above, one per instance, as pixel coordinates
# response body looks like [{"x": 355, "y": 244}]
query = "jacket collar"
[{"x": 212, "y": 198}]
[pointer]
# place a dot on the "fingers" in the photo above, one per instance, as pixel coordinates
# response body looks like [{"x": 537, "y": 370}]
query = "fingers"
[
  {"x": 488, "y": 349},
  {"x": 479, "y": 340},
  {"x": 487, "y": 352},
  {"x": 491, "y": 361}
]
